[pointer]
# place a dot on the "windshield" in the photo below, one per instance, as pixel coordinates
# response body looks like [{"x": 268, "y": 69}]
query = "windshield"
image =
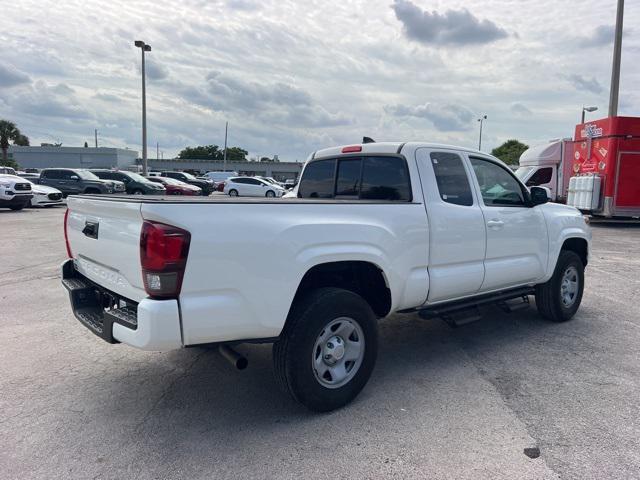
[
  {"x": 171, "y": 181},
  {"x": 189, "y": 176},
  {"x": 135, "y": 177},
  {"x": 86, "y": 175},
  {"x": 522, "y": 173}
]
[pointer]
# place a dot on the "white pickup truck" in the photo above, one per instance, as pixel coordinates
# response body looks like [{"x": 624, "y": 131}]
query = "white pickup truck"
[{"x": 373, "y": 229}]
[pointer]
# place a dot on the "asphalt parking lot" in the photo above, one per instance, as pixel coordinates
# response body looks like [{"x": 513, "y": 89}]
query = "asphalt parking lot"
[{"x": 442, "y": 402}]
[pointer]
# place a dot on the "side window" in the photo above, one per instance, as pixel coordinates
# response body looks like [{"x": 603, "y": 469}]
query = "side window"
[
  {"x": 67, "y": 174},
  {"x": 385, "y": 178},
  {"x": 54, "y": 174},
  {"x": 348, "y": 177},
  {"x": 452, "y": 179},
  {"x": 541, "y": 177},
  {"x": 240, "y": 180},
  {"x": 317, "y": 179},
  {"x": 253, "y": 181},
  {"x": 498, "y": 186}
]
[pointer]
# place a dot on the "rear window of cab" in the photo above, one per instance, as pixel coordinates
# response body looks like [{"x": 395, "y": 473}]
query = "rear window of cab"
[{"x": 365, "y": 178}]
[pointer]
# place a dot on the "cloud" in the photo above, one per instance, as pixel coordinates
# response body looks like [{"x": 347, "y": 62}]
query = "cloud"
[
  {"x": 454, "y": 27},
  {"x": 590, "y": 84},
  {"x": 53, "y": 101},
  {"x": 520, "y": 110},
  {"x": 247, "y": 5},
  {"x": 602, "y": 35},
  {"x": 445, "y": 117},
  {"x": 10, "y": 76},
  {"x": 153, "y": 70}
]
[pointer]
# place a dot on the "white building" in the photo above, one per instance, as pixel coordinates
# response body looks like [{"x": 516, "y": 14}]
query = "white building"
[{"x": 72, "y": 157}]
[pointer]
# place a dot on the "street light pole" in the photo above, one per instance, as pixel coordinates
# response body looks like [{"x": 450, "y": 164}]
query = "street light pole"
[
  {"x": 481, "y": 120},
  {"x": 617, "y": 56},
  {"x": 224, "y": 164},
  {"x": 95, "y": 133},
  {"x": 587, "y": 109},
  {"x": 143, "y": 48}
]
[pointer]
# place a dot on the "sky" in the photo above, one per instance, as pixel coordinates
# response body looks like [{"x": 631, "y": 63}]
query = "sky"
[{"x": 291, "y": 77}]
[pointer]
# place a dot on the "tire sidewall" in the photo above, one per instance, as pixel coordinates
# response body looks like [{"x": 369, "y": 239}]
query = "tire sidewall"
[
  {"x": 336, "y": 303},
  {"x": 566, "y": 260},
  {"x": 233, "y": 194}
]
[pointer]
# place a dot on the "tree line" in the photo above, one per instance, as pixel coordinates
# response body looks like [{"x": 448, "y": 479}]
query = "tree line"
[{"x": 10, "y": 133}]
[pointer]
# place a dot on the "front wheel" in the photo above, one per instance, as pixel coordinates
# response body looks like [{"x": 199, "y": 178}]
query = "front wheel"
[
  {"x": 559, "y": 299},
  {"x": 270, "y": 194},
  {"x": 17, "y": 207},
  {"x": 327, "y": 350},
  {"x": 233, "y": 193}
]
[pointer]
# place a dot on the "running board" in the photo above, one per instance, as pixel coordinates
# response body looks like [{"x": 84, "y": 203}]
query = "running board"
[{"x": 500, "y": 298}]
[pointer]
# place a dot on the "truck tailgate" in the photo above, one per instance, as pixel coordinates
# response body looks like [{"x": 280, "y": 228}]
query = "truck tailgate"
[{"x": 104, "y": 237}]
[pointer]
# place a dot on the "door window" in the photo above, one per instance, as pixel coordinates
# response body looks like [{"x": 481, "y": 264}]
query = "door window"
[
  {"x": 67, "y": 174},
  {"x": 385, "y": 178},
  {"x": 317, "y": 180},
  {"x": 53, "y": 174},
  {"x": 451, "y": 177},
  {"x": 541, "y": 177},
  {"x": 348, "y": 179},
  {"x": 497, "y": 185}
]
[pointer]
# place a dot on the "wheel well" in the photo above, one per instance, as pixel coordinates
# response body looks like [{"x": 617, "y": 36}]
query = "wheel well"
[
  {"x": 92, "y": 190},
  {"x": 363, "y": 278},
  {"x": 579, "y": 246}
]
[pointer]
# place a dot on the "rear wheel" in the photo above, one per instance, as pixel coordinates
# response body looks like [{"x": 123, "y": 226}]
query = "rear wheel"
[
  {"x": 327, "y": 350},
  {"x": 17, "y": 207},
  {"x": 91, "y": 191},
  {"x": 233, "y": 193},
  {"x": 270, "y": 194},
  {"x": 137, "y": 191},
  {"x": 559, "y": 299}
]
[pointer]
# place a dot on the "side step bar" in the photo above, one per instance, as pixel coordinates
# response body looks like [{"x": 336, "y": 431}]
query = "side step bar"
[{"x": 471, "y": 304}]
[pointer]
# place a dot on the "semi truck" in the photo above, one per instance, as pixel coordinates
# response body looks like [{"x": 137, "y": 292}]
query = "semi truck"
[{"x": 597, "y": 171}]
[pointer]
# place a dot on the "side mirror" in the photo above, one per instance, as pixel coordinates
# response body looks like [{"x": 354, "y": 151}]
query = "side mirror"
[
  {"x": 74, "y": 177},
  {"x": 539, "y": 195}
]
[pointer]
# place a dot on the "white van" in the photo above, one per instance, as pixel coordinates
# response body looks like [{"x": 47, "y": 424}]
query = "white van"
[{"x": 218, "y": 177}]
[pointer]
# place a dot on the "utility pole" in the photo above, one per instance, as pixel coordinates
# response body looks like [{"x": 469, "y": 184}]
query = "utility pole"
[
  {"x": 617, "y": 56},
  {"x": 481, "y": 120},
  {"x": 157, "y": 150},
  {"x": 95, "y": 134},
  {"x": 144, "y": 48},
  {"x": 224, "y": 161}
]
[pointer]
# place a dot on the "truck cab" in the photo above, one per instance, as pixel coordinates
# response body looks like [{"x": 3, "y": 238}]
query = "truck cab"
[{"x": 542, "y": 166}]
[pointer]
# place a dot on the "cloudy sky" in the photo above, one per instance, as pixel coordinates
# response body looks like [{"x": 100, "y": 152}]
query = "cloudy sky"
[{"x": 295, "y": 76}]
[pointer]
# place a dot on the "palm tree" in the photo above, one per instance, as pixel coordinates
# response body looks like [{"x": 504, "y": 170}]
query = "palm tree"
[{"x": 9, "y": 131}]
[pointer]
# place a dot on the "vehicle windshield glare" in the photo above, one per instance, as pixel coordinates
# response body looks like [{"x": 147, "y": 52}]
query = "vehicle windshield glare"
[
  {"x": 522, "y": 172},
  {"x": 189, "y": 176},
  {"x": 85, "y": 175}
]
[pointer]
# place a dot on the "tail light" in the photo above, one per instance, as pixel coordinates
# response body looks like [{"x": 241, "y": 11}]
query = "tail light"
[
  {"x": 163, "y": 256},
  {"x": 352, "y": 149},
  {"x": 66, "y": 235}
]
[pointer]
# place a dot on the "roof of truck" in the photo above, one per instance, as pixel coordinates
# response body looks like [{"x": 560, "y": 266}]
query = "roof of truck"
[{"x": 384, "y": 148}]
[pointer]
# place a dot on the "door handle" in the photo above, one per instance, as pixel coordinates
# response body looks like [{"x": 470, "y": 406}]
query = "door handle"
[{"x": 495, "y": 224}]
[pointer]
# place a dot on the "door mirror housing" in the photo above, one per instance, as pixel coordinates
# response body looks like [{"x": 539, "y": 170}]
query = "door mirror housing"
[{"x": 539, "y": 195}]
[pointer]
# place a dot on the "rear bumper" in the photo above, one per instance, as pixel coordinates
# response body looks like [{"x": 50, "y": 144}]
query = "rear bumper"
[{"x": 148, "y": 325}]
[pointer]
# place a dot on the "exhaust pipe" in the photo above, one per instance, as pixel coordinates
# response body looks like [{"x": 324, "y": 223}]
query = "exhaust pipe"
[{"x": 236, "y": 359}]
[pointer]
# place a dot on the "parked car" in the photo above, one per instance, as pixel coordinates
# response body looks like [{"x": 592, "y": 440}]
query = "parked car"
[
  {"x": 205, "y": 185},
  {"x": 15, "y": 192},
  {"x": 34, "y": 177},
  {"x": 290, "y": 183},
  {"x": 272, "y": 181},
  {"x": 134, "y": 183},
  {"x": 176, "y": 187},
  {"x": 44, "y": 196},
  {"x": 377, "y": 228},
  {"x": 72, "y": 181},
  {"x": 7, "y": 170},
  {"x": 251, "y": 187}
]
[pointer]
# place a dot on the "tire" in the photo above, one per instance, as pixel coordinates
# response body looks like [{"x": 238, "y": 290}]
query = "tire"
[
  {"x": 314, "y": 322},
  {"x": 270, "y": 194},
  {"x": 137, "y": 191},
  {"x": 554, "y": 298},
  {"x": 18, "y": 207},
  {"x": 233, "y": 193}
]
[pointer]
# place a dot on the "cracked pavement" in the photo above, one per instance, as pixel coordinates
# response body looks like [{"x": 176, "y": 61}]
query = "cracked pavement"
[{"x": 442, "y": 403}]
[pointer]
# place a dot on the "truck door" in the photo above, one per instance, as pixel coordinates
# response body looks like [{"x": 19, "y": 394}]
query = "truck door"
[
  {"x": 457, "y": 235},
  {"x": 517, "y": 239}
]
